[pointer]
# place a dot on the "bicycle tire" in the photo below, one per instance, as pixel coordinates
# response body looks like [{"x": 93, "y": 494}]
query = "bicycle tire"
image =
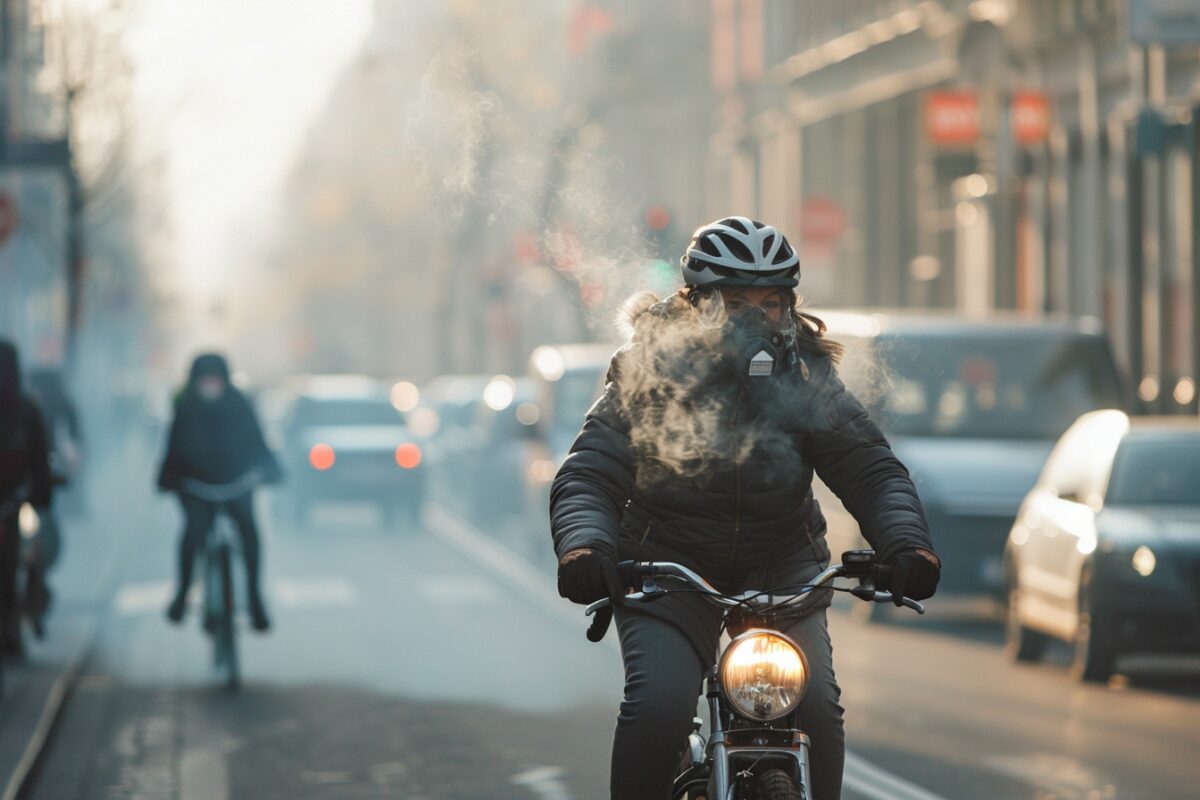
[
  {"x": 775, "y": 784},
  {"x": 227, "y": 629}
]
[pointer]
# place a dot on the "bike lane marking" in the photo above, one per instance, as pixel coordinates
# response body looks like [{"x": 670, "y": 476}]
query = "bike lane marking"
[
  {"x": 867, "y": 779},
  {"x": 860, "y": 775},
  {"x": 545, "y": 782}
]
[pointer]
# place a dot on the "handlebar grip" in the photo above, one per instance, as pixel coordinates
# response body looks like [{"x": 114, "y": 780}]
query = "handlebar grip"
[
  {"x": 600, "y": 623},
  {"x": 628, "y": 570}
]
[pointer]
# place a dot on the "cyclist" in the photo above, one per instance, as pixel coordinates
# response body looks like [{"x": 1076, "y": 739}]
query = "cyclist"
[
  {"x": 702, "y": 451},
  {"x": 24, "y": 477},
  {"x": 215, "y": 438}
]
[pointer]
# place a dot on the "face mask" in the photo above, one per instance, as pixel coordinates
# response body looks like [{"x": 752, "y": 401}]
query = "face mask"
[
  {"x": 210, "y": 389},
  {"x": 757, "y": 346}
]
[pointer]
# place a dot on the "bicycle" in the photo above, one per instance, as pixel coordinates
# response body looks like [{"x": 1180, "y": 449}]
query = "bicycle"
[
  {"x": 756, "y": 747},
  {"x": 219, "y": 604}
]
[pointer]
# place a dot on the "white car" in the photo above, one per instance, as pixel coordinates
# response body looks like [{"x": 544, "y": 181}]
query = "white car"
[{"x": 1105, "y": 551}]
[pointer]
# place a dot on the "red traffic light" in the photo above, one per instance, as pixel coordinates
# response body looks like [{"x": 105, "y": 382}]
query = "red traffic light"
[{"x": 657, "y": 217}]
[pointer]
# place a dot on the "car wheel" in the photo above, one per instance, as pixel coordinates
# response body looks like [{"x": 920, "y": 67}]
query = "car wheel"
[
  {"x": 1021, "y": 643},
  {"x": 1095, "y": 656}
]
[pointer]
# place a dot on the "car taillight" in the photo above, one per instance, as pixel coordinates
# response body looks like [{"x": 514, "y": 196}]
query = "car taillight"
[
  {"x": 408, "y": 455},
  {"x": 321, "y": 457}
]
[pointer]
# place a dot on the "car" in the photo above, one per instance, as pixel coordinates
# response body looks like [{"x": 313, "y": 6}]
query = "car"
[
  {"x": 972, "y": 408},
  {"x": 1105, "y": 552},
  {"x": 453, "y": 401},
  {"x": 503, "y": 425},
  {"x": 343, "y": 439},
  {"x": 566, "y": 379}
]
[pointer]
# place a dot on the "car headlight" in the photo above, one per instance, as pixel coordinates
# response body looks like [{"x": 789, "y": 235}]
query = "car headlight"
[
  {"x": 1144, "y": 561},
  {"x": 763, "y": 674}
]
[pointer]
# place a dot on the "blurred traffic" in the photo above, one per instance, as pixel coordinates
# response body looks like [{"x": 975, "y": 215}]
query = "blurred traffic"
[{"x": 407, "y": 240}]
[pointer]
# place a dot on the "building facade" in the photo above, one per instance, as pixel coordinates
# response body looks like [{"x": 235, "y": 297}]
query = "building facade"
[{"x": 1034, "y": 155}]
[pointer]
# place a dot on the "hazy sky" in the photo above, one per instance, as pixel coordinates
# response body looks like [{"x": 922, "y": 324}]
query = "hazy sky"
[{"x": 226, "y": 90}]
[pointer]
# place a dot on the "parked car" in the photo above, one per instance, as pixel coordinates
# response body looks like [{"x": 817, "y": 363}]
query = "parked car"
[
  {"x": 972, "y": 408},
  {"x": 1105, "y": 553},
  {"x": 344, "y": 440}
]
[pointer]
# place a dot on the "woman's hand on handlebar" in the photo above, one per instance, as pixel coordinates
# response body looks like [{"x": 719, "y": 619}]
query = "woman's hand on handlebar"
[
  {"x": 585, "y": 576},
  {"x": 912, "y": 573}
]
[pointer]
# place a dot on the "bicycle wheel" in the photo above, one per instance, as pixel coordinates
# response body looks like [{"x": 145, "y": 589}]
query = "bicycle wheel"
[{"x": 226, "y": 633}]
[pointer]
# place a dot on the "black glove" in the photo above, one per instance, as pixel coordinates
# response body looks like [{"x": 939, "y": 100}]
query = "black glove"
[
  {"x": 585, "y": 576},
  {"x": 914, "y": 574}
]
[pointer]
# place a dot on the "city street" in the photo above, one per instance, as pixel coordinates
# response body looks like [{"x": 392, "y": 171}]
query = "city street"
[{"x": 433, "y": 663}]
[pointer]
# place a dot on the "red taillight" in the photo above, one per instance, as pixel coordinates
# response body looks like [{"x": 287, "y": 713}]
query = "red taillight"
[
  {"x": 321, "y": 457},
  {"x": 408, "y": 455}
]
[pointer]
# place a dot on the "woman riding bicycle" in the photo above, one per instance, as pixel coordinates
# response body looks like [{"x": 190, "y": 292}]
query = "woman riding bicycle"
[
  {"x": 702, "y": 451},
  {"x": 215, "y": 439},
  {"x": 24, "y": 477}
]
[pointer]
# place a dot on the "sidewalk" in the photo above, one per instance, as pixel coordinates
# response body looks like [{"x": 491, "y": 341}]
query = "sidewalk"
[{"x": 82, "y": 583}]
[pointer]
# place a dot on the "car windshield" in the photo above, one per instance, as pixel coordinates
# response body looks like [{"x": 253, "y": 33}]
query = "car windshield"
[
  {"x": 1156, "y": 471},
  {"x": 346, "y": 411},
  {"x": 1012, "y": 386},
  {"x": 575, "y": 393}
]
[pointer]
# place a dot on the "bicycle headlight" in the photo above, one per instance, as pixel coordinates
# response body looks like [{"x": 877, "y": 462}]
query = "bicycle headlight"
[
  {"x": 763, "y": 674},
  {"x": 28, "y": 521}
]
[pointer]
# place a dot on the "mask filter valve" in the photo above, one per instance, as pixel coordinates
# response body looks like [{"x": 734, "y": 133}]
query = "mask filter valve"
[{"x": 762, "y": 365}]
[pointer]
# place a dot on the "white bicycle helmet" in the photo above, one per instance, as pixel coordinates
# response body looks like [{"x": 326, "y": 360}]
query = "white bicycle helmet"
[{"x": 738, "y": 251}]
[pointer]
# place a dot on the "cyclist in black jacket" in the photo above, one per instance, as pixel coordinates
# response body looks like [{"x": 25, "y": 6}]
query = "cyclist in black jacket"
[
  {"x": 24, "y": 477},
  {"x": 215, "y": 438},
  {"x": 702, "y": 450}
]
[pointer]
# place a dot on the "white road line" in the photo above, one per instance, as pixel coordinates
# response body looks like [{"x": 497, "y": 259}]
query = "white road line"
[
  {"x": 151, "y": 597},
  {"x": 861, "y": 775},
  {"x": 314, "y": 592},
  {"x": 457, "y": 590},
  {"x": 545, "y": 782},
  {"x": 502, "y": 562},
  {"x": 203, "y": 775},
  {"x": 865, "y": 778}
]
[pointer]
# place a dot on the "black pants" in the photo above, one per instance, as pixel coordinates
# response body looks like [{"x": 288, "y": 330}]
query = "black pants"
[
  {"x": 663, "y": 679},
  {"x": 10, "y": 554},
  {"x": 198, "y": 521}
]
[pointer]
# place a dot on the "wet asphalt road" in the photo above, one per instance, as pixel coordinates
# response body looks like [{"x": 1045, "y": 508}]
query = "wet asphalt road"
[{"x": 423, "y": 663}]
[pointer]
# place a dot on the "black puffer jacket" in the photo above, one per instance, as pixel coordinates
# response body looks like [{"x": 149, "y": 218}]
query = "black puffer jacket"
[
  {"x": 680, "y": 461},
  {"x": 215, "y": 441},
  {"x": 24, "y": 459}
]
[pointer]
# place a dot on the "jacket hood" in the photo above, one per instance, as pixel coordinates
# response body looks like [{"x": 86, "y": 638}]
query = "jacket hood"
[
  {"x": 208, "y": 364},
  {"x": 640, "y": 305}
]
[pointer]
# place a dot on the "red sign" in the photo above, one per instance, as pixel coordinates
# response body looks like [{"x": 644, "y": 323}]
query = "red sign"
[
  {"x": 8, "y": 217},
  {"x": 1030, "y": 117},
  {"x": 822, "y": 221},
  {"x": 952, "y": 118}
]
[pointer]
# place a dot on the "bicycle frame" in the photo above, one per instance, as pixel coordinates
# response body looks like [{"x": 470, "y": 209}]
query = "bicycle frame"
[
  {"x": 219, "y": 547},
  {"x": 219, "y": 599}
]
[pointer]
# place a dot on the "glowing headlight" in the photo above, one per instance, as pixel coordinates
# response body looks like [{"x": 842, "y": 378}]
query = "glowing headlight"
[
  {"x": 28, "y": 521},
  {"x": 764, "y": 675},
  {"x": 1144, "y": 561}
]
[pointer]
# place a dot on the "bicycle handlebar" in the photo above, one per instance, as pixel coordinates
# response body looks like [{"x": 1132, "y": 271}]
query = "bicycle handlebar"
[
  {"x": 649, "y": 570},
  {"x": 221, "y": 492}
]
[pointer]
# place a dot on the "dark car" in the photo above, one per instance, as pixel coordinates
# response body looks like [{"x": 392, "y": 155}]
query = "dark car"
[
  {"x": 1105, "y": 553},
  {"x": 344, "y": 440},
  {"x": 972, "y": 408}
]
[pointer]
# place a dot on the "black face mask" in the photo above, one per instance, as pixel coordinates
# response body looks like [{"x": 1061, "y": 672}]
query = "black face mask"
[{"x": 756, "y": 347}]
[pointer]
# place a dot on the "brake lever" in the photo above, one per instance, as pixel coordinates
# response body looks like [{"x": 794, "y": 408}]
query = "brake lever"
[{"x": 869, "y": 594}]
